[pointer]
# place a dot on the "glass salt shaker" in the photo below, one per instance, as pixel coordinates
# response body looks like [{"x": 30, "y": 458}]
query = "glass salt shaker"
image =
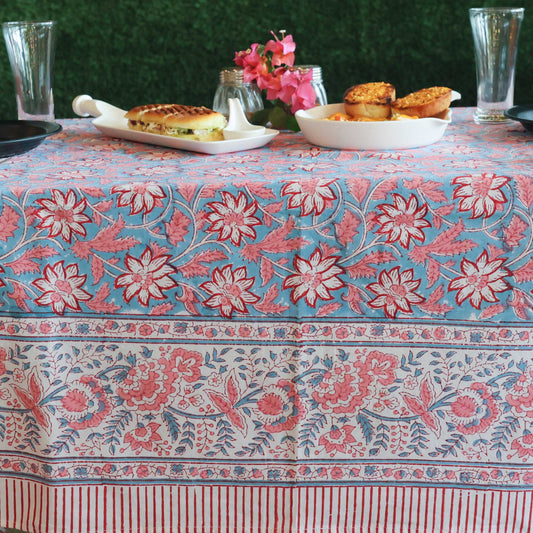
[
  {"x": 231, "y": 85},
  {"x": 317, "y": 83}
]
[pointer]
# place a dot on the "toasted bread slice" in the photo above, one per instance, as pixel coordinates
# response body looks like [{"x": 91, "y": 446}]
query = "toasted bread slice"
[
  {"x": 430, "y": 102},
  {"x": 190, "y": 122},
  {"x": 371, "y": 100}
]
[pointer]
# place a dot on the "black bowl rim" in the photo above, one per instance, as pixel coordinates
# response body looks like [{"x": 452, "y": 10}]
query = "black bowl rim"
[
  {"x": 50, "y": 128},
  {"x": 514, "y": 113}
]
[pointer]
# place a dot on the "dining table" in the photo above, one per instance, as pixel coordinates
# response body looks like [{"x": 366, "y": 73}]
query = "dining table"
[{"x": 285, "y": 339}]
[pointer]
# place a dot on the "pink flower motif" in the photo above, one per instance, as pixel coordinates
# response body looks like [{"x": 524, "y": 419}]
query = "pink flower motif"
[
  {"x": 381, "y": 366},
  {"x": 61, "y": 287},
  {"x": 520, "y": 396},
  {"x": 280, "y": 408},
  {"x": 62, "y": 215},
  {"x": 337, "y": 439},
  {"x": 481, "y": 280},
  {"x": 395, "y": 291},
  {"x": 187, "y": 363},
  {"x": 140, "y": 196},
  {"x": 85, "y": 404},
  {"x": 343, "y": 388},
  {"x": 524, "y": 446},
  {"x": 282, "y": 51},
  {"x": 229, "y": 291},
  {"x": 233, "y": 218},
  {"x": 315, "y": 278},
  {"x": 474, "y": 410},
  {"x": 480, "y": 193},
  {"x": 143, "y": 437},
  {"x": 403, "y": 221},
  {"x": 312, "y": 196},
  {"x": 147, "y": 278}
]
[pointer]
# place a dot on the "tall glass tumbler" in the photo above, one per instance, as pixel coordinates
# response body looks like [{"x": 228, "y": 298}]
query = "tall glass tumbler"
[
  {"x": 31, "y": 50},
  {"x": 495, "y": 31}
]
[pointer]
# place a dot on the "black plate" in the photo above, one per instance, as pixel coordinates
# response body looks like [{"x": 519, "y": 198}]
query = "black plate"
[
  {"x": 522, "y": 113},
  {"x": 19, "y": 136}
]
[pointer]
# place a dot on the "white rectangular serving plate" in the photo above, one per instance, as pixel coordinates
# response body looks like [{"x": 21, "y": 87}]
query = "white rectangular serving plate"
[{"x": 111, "y": 121}]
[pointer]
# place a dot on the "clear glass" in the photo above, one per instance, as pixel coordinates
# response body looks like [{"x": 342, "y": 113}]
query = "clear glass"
[
  {"x": 231, "y": 85},
  {"x": 31, "y": 50},
  {"x": 495, "y": 31}
]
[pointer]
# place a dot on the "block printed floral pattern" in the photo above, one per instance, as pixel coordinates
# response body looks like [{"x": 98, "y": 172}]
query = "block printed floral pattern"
[{"x": 291, "y": 313}]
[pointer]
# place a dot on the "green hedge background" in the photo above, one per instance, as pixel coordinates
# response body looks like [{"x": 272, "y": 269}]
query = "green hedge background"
[{"x": 130, "y": 52}]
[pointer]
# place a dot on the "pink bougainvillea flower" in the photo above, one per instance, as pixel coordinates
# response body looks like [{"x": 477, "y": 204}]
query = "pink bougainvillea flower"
[
  {"x": 403, "y": 221},
  {"x": 254, "y": 63},
  {"x": 395, "y": 291},
  {"x": 61, "y": 287},
  {"x": 229, "y": 291},
  {"x": 311, "y": 195},
  {"x": 147, "y": 277},
  {"x": 480, "y": 193},
  {"x": 304, "y": 95},
  {"x": 481, "y": 280},
  {"x": 139, "y": 196},
  {"x": 315, "y": 278},
  {"x": 63, "y": 215},
  {"x": 233, "y": 218},
  {"x": 282, "y": 51}
]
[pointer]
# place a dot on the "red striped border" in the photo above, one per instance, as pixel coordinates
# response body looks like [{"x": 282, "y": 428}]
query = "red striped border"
[{"x": 38, "y": 508}]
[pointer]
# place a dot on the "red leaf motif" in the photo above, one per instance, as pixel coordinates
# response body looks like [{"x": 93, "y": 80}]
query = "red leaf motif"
[
  {"x": 519, "y": 304},
  {"x": 346, "y": 229},
  {"x": 261, "y": 190},
  {"x": 161, "y": 309},
  {"x": 414, "y": 405},
  {"x": 354, "y": 299},
  {"x": 195, "y": 268},
  {"x": 328, "y": 309},
  {"x": 433, "y": 272},
  {"x": 524, "y": 273},
  {"x": 8, "y": 222},
  {"x": 267, "y": 305},
  {"x": 361, "y": 269},
  {"x": 232, "y": 391},
  {"x": 95, "y": 192},
  {"x": 235, "y": 418},
  {"x": 189, "y": 299},
  {"x": 426, "y": 393},
  {"x": 430, "y": 189},
  {"x": 26, "y": 262},
  {"x": 105, "y": 241},
  {"x": 359, "y": 188},
  {"x": 491, "y": 311},
  {"x": 524, "y": 185},
  {"x": 384, "y": 187},
  {"x": 97, "y": 269},
  {"x": 446, "y": 243},
  {"x": 188, "y": 190},
  {"x": 220, "y": 401},
  {"x": 19, "y": 294},
  {"x": 432, "y": 306},
  {"x": 98, "y": 303},
  {"x": 275, "y": 242},
  {"x": 274, "y": 207},
  {"x": 178, "y": 227},
  {"x": 266, "y": 270},
  {"x": 515, "y": 231}
]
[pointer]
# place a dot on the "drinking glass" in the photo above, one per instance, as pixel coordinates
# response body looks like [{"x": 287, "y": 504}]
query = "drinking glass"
[
  {"x": 31, "y": 50},
  {"x": 495, "y": 31}
]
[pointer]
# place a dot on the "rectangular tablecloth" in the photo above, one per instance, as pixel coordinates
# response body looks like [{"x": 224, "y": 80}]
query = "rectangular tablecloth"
[{"x": 287, "y": 339}]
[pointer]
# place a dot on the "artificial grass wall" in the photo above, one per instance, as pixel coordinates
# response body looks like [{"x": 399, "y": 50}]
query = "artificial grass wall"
[{"x": 131, "y": 52}]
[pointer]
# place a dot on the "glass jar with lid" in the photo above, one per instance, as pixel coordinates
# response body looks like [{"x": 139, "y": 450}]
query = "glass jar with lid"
[
  {"x": 317, "y": 83},
  {"x": 232, "y": 85}
]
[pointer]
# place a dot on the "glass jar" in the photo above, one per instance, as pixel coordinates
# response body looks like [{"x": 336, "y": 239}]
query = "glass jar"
[
  {"x": 317, "y": 83},
  {"x": 231, "y": 85}
]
